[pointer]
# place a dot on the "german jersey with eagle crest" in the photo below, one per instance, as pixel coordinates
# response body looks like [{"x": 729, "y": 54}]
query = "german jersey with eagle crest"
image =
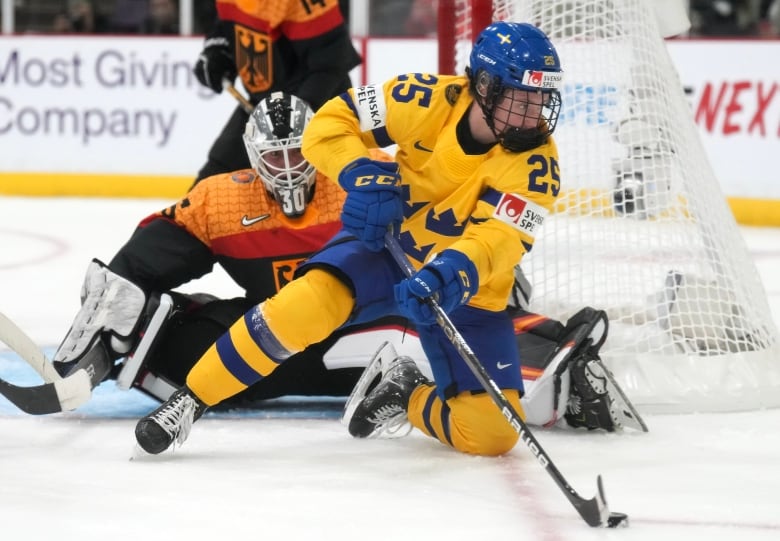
[
  {"x": 301, "y": 47},
  {"x": 489, "y": 206},
  {"x": 232, "y": 220}
]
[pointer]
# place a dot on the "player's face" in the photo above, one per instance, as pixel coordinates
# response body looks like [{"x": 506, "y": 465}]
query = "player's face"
[
  {"x": 275, "y": 159},
  {"x": 518, "y": 109}
]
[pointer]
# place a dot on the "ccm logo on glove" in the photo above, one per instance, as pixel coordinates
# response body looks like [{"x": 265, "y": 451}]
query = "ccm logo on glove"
[
  {"x": 379, "y": 180},
  {"x": 364, "y": 174},
  {"x": 451, "y": 279}
]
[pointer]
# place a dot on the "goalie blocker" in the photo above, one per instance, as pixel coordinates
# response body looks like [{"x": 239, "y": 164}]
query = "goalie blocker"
[{"x": 159, "y": 339}]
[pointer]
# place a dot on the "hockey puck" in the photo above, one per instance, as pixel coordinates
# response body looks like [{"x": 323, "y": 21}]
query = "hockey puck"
[{"x": 617, "y": 520}]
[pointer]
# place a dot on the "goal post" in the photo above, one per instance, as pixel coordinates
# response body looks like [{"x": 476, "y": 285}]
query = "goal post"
[
  {"x": 459, "y": 22},
  {"x": 642, "y": 228}
]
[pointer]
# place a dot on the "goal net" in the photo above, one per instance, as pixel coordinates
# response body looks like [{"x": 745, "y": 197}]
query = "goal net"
[{"x": 642, "y": 229}]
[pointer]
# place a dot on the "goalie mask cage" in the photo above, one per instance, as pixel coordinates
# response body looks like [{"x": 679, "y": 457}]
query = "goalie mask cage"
[{"x": 641, "y": 229}]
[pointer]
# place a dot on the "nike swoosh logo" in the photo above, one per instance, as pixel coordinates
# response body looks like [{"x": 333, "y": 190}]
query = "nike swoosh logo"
[
  {"x": 247, "y": 221},
  {"x": 418, "y": 145},
  {"x": 501, "y": 366}
]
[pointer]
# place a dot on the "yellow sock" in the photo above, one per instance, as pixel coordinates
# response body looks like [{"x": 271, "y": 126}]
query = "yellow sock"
[
  {"x": 470, "y": 423},
  {"x": 304, "y": 312}
]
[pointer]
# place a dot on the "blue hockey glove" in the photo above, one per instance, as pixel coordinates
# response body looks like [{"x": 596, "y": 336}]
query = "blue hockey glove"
[
  {"x": 373, "y": 200},
  {"x": 451, "y": 279}
]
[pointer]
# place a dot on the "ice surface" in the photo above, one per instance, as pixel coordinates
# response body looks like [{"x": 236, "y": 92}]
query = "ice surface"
[{"x": 297, "y": 475}]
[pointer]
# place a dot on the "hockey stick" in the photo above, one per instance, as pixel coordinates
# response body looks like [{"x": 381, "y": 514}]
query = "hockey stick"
[
  {"x": 593, "y": 511},
  {"x": 62, "y": 395},
  {"x": 57, "y": 394},
  {"x": 246, "y": 105},
  {"x": 18, "y": 341}
]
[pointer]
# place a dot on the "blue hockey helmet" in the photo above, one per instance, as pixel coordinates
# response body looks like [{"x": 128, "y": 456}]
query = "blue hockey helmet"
[{"x": 511, "y": 56}]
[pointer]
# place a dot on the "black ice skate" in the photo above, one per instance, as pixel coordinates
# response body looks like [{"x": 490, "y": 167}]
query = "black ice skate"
[
  {"x": 596, "y": 400},
  {"x": 169, "y": 423},
  {"x": 382, "y": 412}
]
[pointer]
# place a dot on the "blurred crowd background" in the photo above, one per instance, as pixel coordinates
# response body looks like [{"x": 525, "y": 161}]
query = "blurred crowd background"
[{"x": 709, "y": 18}]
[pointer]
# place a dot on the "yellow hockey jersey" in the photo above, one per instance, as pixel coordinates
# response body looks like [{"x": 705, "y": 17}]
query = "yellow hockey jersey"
[{"x": 488, "y": 206}]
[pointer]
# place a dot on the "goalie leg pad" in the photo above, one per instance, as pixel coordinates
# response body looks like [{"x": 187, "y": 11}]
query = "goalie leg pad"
[
  {"x": 595, "y": 323},
  {"x": 161, "y": 310},
  {"x": 547, "y": 349},
  {"x": 571, "y": 376},
  {"x": 188, "y": 328},
  {"x": 110, "y": 304}
]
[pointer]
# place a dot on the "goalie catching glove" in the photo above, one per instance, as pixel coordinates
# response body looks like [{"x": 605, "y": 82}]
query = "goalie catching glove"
[
  {"x": 451, "y": 279},
  {"x": 373, "y": 200}
]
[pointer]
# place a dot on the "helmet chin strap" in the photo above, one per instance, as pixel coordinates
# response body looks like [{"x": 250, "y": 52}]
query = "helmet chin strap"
[{"x": 520, "y": 140}]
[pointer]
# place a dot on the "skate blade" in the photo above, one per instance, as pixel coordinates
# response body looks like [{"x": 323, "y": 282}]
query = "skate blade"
[
  {"x": 399, "y": 429},
  {"x": 621, "y": 409},
  {"x": 138, "y": 453},
  {"x": 376, "y": 366}
]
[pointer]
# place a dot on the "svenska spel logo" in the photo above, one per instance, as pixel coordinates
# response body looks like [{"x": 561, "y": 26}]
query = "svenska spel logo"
[
  {"x": 510, "y": 208},
  {"x": 535, "y": 78},
  {"x": 523, "y": 215}
]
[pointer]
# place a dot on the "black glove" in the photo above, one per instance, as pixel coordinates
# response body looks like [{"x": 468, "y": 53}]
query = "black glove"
[{"x": 215, "y": 63}]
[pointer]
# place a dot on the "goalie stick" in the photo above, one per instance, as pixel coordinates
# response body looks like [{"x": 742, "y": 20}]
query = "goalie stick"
[
  {"x": 57, "y": 394},
  {"x": 18, "y": 341},
  {"x": 62, "y": 395},
  {"x": 594, "y": 511}
]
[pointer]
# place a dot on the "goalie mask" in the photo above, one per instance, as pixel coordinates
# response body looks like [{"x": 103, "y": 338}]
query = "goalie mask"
[
  {"x": 273, "y": 143},
  {"x": 514, "y": 75}
]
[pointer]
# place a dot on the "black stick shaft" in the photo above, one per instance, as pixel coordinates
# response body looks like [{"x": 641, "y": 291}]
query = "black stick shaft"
[{"x": 593, "y": 511}]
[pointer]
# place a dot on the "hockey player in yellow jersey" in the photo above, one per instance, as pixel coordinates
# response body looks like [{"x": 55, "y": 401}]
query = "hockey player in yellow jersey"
[{"x": 476, "y": 172}]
